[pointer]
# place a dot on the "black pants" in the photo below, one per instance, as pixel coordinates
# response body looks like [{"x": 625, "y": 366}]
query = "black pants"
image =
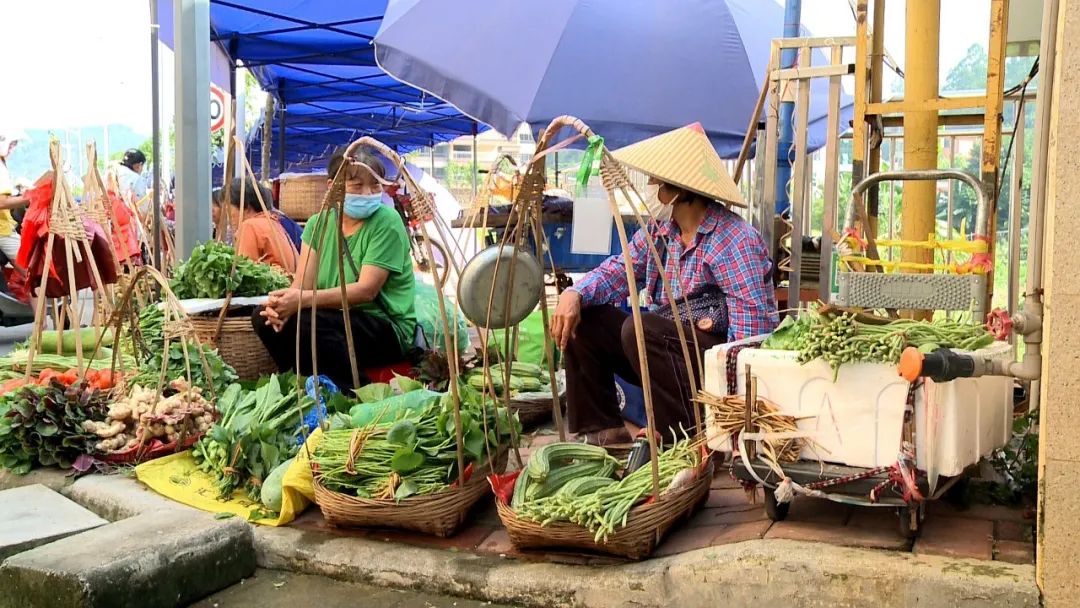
[
  {"x": 374, "y": 340},
  {"x": 606, "y": 345}
]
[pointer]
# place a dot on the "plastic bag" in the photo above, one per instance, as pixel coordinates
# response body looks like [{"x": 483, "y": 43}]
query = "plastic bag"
[
  {"x": 427, "y": 317},
  {"x": 391, "y": 408},
  {"x": 530, "y": 341}
]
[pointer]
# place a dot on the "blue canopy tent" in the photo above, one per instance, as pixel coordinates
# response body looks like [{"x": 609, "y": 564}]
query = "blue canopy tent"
[{"x": 315, "y": 57}]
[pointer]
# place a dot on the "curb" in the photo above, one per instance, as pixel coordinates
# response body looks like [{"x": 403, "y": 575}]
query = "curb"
[
  {"x": 754, "y": 572},
  {"x": 749, "y": 573}
]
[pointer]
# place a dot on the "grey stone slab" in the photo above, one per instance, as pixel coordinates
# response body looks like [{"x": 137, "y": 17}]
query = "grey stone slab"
[
  {"x": 31, "y": 516},
  {"x": 50, "y": 477},
  {"x": 160, "y": 558}
]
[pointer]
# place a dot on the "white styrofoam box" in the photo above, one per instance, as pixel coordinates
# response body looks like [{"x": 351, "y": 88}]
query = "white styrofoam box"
[{"x": 857, "y": 420}]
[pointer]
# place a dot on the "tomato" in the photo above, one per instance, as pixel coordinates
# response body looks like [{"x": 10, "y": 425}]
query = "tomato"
[
  {"x": 11, "y": 385},
  {"x": 104, "y": 379},
  {"x": 69, "y": 377},
  {"x": 47, "y": 374}
]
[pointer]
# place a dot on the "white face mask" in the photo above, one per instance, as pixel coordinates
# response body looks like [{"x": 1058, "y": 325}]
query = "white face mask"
[{"x": 659, "y": 211}]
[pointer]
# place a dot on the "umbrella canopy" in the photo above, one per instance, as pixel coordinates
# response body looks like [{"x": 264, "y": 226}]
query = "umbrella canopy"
[{"x": 631, "y": 69}]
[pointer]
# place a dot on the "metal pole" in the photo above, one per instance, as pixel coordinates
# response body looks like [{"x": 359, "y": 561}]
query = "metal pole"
[
  {"x": 192, "y": 19},
  {"x": 1016, "y": 200},
  {"x": 155, "y": 153},
  {"x": 474, "y": 163},
  {"x": 431, "y": 158},
  {"x": 877, "y": 66},
  {"x": 281, "y": 139},
  {"x": 917, "y": 215},
  {"x": 792, "y": 19},
  {"x": 267, "y": 134}
]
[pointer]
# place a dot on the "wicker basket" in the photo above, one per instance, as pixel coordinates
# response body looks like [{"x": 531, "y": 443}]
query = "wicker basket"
[
  {"x": 301, "y": 196},
  {"x": 239, "y": 345},
  {"x": 645, "y": 525},
  {"x": 440, "y": 514},
  {"x": 531, "y": 412}
]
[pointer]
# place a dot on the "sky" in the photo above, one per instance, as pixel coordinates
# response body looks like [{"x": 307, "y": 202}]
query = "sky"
[{"x": 91, "y": 66}]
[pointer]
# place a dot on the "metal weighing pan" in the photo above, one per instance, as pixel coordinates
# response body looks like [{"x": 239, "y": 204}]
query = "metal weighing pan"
[{"x": 475, "y": 287}]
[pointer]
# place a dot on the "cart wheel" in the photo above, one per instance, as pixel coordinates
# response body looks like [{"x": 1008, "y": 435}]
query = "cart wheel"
[
  {"x": 910, "y": 520},
  {"x": 775, "y": 510}
]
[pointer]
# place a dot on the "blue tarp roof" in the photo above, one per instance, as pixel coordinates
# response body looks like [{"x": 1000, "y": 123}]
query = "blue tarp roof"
[{"x": 315, "y": 57}]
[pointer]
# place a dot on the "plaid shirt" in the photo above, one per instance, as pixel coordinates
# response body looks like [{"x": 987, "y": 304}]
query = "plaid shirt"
[{"x": 726, "y": 252}]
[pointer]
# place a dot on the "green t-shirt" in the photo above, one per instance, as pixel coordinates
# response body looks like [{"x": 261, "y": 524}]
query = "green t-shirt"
[{"x": 383, "y": 242}]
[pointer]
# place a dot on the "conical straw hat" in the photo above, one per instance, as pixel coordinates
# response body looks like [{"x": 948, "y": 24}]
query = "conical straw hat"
[{"x": 685, "y": 158}]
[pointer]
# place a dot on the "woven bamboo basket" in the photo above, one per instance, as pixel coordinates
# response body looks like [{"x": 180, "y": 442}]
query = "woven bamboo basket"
[
  {"x": 645, "y": 526},
  {"x": 439, "y": 514},
  {"x": 532, "y": 412},
  {"x": 301, "y": 196},
  {"x": 238, "y": 344}
]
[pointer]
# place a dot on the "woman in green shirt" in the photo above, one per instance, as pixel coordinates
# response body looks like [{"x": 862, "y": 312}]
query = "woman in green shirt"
[{"x": 379, "y": 283}]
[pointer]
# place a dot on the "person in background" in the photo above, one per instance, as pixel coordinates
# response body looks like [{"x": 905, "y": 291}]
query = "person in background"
[
  {"x": 292, "y": 229},
  {"x": 259, "y": 235},
  {"x": 380, "y": 288},
  {"x": 10, "y": 197},
  {"x": 708, "y": 252},
  {"x": 130, "y": 179}
]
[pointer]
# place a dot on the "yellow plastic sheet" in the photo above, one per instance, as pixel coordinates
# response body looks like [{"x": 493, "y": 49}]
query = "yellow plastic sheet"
[{"x": 177, "y": 477}]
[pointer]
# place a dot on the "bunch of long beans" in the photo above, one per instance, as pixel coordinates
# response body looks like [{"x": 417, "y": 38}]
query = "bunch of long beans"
[
  {"x": 358, "y": 462},
  {"x": 842, "y": 338},
  {"x": 608, "y": 508}
]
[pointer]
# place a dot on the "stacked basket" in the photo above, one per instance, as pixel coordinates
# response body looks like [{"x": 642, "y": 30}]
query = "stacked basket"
[{"x": 301, "y": 196}]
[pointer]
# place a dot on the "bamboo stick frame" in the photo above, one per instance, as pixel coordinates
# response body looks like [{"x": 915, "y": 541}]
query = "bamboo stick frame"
[{"x": 66, "y": 220}]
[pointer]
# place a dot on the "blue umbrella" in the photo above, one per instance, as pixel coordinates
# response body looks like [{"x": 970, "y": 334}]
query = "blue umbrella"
[{"x": 629, "y": 68}]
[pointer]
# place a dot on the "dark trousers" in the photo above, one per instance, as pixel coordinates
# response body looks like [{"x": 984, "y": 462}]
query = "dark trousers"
[
  {"x": 374, "y": 340},
  {"x": 606, "y": 345}
]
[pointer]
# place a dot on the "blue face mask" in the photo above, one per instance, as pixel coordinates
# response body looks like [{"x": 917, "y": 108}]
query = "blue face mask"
[{"x": 362, "y": 206}]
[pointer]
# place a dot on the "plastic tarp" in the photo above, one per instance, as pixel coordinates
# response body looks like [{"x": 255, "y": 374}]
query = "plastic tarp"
[{"x": 315, "y": 57}]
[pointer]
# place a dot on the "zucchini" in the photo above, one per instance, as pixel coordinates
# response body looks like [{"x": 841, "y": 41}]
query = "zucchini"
[
  {"x": 541, "y": 461},
  {"x": 50, "y": 338}
]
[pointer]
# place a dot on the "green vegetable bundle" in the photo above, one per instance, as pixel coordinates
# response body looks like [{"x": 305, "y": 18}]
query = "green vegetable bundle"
[
  {"x": 839, "y": 338},
  {"x": 257, "y": 432},
  {"x": 206, "y": 274},
  {"x": 42, "y": 425},
  {"x": 18, "y": 359},
  {"x": 152, "y": 357},
  {"x": 600, "y": 506},
  {"x": 411, "y": 451}
]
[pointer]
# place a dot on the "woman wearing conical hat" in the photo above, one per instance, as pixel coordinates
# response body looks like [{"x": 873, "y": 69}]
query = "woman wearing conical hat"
[{"x": 709, "y": 254}]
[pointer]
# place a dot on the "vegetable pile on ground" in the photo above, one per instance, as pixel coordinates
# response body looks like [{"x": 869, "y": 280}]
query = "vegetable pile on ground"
[
  {"x": 257, "y": 431},
  {"x": 593, "y": 500},
  {"x": 206, "y": 274},
  {"x": 177, "y": 362},
  {"x": 43, "y": 425},
  {"x": 103, "y": 379},
  {"x": 145, "y": 416},
  {"x": 524, "y": 378},
  {"x": 839, "y": 337},
  {"x": 405, "y": 445},
  {"x": 57, "y": 350}
]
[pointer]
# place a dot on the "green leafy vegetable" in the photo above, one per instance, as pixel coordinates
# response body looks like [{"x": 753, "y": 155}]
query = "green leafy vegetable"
[{"x": 206, "y": 274}]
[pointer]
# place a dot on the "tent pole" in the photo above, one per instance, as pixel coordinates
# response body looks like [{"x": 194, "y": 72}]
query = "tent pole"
[
  {"x": 155, "y": 153},
  {"x": 474, "y": 165},
  {"x": 431, "y": 158},
  {"x": 281, "y": 140}
]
